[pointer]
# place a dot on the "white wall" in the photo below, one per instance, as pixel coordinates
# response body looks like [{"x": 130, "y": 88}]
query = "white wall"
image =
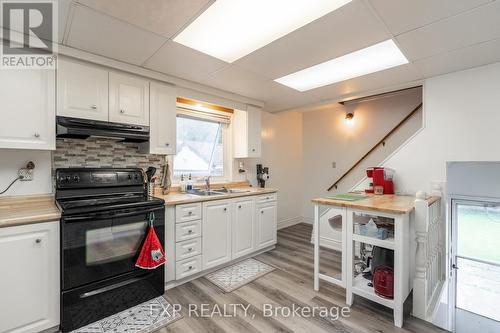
[
  {"x": 282, "y": 153},
  {"x": 461, "y": 119},
  {"x": 12, "y": 160},
  {"x": 327, "y": 138}
]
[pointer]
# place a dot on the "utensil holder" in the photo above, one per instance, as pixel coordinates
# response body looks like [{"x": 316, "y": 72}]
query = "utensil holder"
[{"x": 150, "y": 187}]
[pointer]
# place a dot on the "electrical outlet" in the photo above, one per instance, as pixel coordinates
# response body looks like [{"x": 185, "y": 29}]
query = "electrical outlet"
[{"x": 25, "y": 174}]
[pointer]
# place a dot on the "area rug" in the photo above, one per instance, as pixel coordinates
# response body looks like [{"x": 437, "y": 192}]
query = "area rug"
[
  {"x": 143, "y": 318},
  {"x": 235, "y": 276}
]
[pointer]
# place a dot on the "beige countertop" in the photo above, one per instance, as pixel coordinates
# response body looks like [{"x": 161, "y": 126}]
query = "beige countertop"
[
  {"x": 176, "y": 198},
  {"x": 21, "y": 210},
  {"x": 394, "y": 204}
]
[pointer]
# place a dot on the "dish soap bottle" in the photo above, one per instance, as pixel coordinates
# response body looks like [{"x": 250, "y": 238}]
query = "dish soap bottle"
[
  {"x": 182, "y": 184},
  {"x": 189, "y": 186}
]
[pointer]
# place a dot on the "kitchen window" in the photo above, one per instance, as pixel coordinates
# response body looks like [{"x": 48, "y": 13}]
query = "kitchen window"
[{"x": 201, "y": 147}]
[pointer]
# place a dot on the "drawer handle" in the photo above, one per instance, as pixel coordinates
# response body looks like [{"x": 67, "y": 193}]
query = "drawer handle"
[
  {"x": 190, "y": 213},
  {"x": 38, "y": 240},
  {"x": 190, "y": 231},
  {"x": 267, "y": 198},
  {"x": 36, "y": 135},
  {"x": 190, "y": 267},
  {"x": 190, "y": 249},
  {"x": 225, "y": 209},
  {"x": 262, "y": 212},
  {"x": 239, "y": 206},
  {"x": 253, "y": 149},
  {"x": 93, "y": 107},
  {"x": 167, "y": 144},
  {"x": 122, "y": 111}
]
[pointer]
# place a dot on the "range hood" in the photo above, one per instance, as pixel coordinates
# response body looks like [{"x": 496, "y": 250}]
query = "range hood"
[{"x": 83, "y": 128}]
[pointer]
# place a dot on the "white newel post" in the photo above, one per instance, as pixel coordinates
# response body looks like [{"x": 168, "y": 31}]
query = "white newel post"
[{"x": 420, "y": 281}]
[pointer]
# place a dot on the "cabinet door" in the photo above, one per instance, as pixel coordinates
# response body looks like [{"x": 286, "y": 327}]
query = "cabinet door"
[
  {"x": 266, "y": 225},
  {"x": 82, "y": 91},
  {"x": 247, "y": 132},
  {"x": 243, "y": 228},
  {"x": 29, "y": 285},
  {"x": 128, "y": 99},
  {"x": 163, "y": 119},
  {"x": 216, "y": 231},
  {"x": 27, "y": 119}
]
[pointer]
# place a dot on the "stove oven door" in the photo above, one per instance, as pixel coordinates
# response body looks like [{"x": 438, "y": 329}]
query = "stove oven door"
[{"x": 104, "y": 245}]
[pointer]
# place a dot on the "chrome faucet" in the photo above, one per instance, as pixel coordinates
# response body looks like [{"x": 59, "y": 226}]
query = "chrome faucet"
[{"x": 207, "y": 183}]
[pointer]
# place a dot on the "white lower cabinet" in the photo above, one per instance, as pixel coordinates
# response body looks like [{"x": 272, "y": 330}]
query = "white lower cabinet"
[
  {"x": 216, "y": 230},
  {"x": 243, "y": 233},
  {"x": 29, "y": 282},
  {"x": 201, "y": 236},
  {"x": 266, "y": 225}
]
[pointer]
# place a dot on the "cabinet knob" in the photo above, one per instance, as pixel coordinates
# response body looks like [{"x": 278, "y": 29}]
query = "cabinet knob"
[
  {"x": 225, "y": 209},
  {"x": 190, "y": 213},
  {"x": 239, "y": 206},
  {"x": 190, "y": 231},
  {"x": 190, "y": 267},
  {"x": 93, "y": 107},
  {"x": 190, "y": 249},
  {"x": 167, "y": 144},
  {"x": 38, "y": 240},
  {"x": 262, "y": 212},
  {"x": 122, "y": 111},
  {"x": 37, "y": 135},
  {"x": 253, "y": 149}
]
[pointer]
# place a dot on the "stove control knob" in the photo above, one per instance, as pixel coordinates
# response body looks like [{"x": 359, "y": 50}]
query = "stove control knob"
[
  {"x": 68, "y": 178},
  {"x": 129, "y": 177},
  {"x": 76, "y": 178}
]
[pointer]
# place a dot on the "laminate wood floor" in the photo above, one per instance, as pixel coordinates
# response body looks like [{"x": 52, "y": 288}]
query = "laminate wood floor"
[{"x": 290, "y": 283}]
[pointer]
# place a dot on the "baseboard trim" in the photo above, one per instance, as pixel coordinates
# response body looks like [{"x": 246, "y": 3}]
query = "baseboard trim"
[
  {"x": 289, "y": 222},
  {"x": 308, "y": 220}
]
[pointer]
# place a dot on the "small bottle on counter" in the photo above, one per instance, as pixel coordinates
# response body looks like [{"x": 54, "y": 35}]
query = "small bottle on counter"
[
  {"x": 189, "y": 185},
  {"x": 182, "y": 185}
]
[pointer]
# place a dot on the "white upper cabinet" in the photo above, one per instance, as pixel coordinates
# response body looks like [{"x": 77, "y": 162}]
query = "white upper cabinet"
[
  {"x": 82, "y": 91},
  {"x": 27, "y": 119},
  {"x": 128, "y": 99},
  {"x": 163, "y": 119},
  {"x": 247, "y": 132}
]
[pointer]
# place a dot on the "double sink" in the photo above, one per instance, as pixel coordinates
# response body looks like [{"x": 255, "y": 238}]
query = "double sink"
[{"x": 220, "y": 191}]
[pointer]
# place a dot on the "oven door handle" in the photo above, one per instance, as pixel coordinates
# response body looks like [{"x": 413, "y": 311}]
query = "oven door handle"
[
  {"x": 113, "y": 286},
  {"x": 103, "y": 216}
]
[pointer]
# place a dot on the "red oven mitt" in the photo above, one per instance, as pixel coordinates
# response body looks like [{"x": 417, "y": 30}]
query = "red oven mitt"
[{"x": 152, "y": 254}]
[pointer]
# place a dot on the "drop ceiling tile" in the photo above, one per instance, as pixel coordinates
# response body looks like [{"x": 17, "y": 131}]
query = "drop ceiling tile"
[
  {"x": 382, "y": 80},
  {"x": 475, "y": 26},
  {"x": 293, "y": 99},
  {"x": 104, "y": 35},
  {"x": 164, "y": 17},
  {"x": 350, "y": 28},
  {"x": 178, "y": 60},
  {"x": 472, "y": 56},
  {"x": 404, "y": 15},
  {"x": 238, "y": 80}
]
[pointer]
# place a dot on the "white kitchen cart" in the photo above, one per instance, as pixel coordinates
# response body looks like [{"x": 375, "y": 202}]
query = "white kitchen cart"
[{"x": 401, "y": 240}]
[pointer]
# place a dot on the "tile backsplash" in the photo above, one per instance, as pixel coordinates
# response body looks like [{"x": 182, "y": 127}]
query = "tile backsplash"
[{"x": 101, "y": 153}]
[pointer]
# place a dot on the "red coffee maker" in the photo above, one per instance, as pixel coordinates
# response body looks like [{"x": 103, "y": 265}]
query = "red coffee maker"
[{"x": 380, "y": 177}]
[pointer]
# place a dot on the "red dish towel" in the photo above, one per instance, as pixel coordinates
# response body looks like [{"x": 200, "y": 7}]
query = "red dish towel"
[{"x": 152, "y": 254}]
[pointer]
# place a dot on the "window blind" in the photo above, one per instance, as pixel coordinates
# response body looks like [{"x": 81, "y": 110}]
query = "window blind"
[{"x": 210, "y": 115}]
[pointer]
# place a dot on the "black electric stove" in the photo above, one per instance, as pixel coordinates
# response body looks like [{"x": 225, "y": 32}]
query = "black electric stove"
[{"x": 104, "y": 222}]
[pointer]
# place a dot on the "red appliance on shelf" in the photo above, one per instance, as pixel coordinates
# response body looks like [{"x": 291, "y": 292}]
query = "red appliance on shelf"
[
  {"x": 383, "y": 282},
  {"x": 380, "y": 177}
]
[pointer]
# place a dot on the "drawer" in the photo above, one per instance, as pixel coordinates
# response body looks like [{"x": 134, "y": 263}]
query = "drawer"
[
  {"x": 187, "y": 249},
  {"x": 266, "y": 198},
  {"x": 187, "y": 212},
  {"x": 187, "y": 267},
  {"x": 187, "y": 230}
]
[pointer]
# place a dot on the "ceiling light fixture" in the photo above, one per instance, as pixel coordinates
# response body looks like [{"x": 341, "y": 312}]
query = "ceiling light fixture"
[
  {"x": 372, "y": 59},
  {"x": 349, "y": 118},
  {"x": 231, "y": 29}
]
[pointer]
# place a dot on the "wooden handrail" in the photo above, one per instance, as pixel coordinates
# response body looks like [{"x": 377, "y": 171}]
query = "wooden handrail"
[{"x": 382, "y": 141}]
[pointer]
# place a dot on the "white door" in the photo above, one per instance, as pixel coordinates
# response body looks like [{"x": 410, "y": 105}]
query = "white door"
[
  {"x": 128, "y": 99},
  {"x": 163, "y": 119},
  {"x": 29, "y": 287},
  {"x": 82, "y": 91},
  {"x": 266, "y": 225},
  {"x": 243, "y": 228},
  {"x": 216, "y": 231},
  {"x": 475, "y": 291},
  {"x": 27, "y": 119}
]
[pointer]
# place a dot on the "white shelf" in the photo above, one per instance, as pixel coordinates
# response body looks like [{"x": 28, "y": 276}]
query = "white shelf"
[
  {"x": 387, "y": 243},
  {"x": 360, "y": 287}
]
